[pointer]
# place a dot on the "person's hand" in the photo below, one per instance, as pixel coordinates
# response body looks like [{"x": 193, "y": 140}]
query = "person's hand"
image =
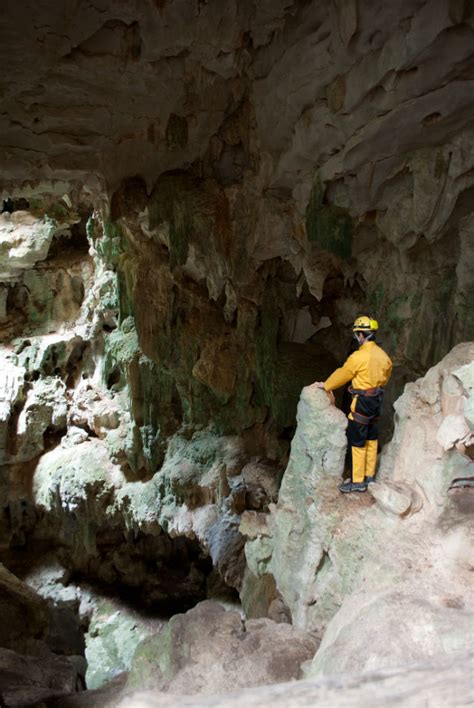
[{"x": 329, "y": 394}]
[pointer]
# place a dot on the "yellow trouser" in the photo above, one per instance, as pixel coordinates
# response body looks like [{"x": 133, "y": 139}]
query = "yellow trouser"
[{"x": 364, "y": 460}]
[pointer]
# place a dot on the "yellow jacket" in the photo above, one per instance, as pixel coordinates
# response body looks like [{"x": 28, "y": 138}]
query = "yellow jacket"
[{"x": 368, "y": 367}]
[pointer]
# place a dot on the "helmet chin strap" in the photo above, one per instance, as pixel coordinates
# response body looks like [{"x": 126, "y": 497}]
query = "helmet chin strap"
[{"x": 365, "y": 337}]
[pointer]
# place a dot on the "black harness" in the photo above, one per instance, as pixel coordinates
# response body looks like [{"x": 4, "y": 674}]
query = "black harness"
[
  {"x": 369, "y": 393},
  {"x": 378, "y": 391}
]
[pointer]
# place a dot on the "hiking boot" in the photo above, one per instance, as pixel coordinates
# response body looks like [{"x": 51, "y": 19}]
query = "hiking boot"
[
  {"x": 369, "y": 480},
  {"x": 349, "y": 487}
]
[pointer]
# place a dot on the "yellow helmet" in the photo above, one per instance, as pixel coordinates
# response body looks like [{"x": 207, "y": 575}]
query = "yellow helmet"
[{"x": 365, "y": 324}]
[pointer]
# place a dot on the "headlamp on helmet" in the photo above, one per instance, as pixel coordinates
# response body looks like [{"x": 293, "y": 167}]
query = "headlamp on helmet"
[{"x": 365, "y": 324}]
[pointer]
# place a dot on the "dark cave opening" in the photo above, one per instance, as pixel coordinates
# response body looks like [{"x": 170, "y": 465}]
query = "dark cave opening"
[
  {"x": 156, "y": 574},
  {"x": 10, "y": 205},
  {"x": 137, "y": 581},
  {"x": 73, "y": 242}
]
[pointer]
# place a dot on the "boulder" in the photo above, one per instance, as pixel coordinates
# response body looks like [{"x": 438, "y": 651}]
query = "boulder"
[
  {"x": 395, "y": 499},
  {"x": 27, "y": 680},
  {"x": 211, "y": 650},
  {"x": 437, "y": 681},
  {"x": 29, "y": 671},
  {"x": 379, "y": 629},
  {"x": 23, "y": 613}
]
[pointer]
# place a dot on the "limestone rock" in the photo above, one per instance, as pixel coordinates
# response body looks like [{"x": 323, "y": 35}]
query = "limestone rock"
[
  {"x": 23, "y": 612},
  {"x": 55, "y": 353},
  {"x": 258, "y": 553},
  {"x": 321, "y": 546},
  {"x": 396, "y": 499},
  {"x": 49, "y": 579},
  {"x": 84, "y": 500},
  {"x": 454, "y": 430},
  {"x": 216, "y": 369},
  {"x": 260, "y": 598},
  {"x": 466, "y": 375},
  {"x": 68, "y": 473},
  {"x": 94, "y": 408},
  {"x": 71, "y": 487},
  {"x": 210, "y": 650},
  {"x": 431, "y": 412},
  {"x": 74, "y": 436},
  {"x": 11, "y": 389},
  {"x": 45, "y": 409},
  {"x": 226, "y": 548},
  {"x": 261, "y": 481},
  {"x": 299, "y": 540},
  {"x": 423, "y": 550},
  {"x": 24, "y": 240},
  {"x": 29, "y": 671},
  {"x": 437, "y": 680},
  {"x": 415, "y": 628},
  {"x": 254, "y": 524},
  {"x": 113, "y": 635},
  {"x": 29, "y": 680}
]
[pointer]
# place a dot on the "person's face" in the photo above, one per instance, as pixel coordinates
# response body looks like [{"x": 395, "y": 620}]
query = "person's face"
[{"x": 359, "y": 337}]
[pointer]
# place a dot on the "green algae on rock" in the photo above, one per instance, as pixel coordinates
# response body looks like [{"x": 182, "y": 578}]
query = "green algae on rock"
[{"x": 328, "y": 226}]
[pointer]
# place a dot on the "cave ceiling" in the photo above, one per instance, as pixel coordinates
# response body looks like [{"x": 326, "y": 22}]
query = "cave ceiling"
[{"x": 94, "y": 88}]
